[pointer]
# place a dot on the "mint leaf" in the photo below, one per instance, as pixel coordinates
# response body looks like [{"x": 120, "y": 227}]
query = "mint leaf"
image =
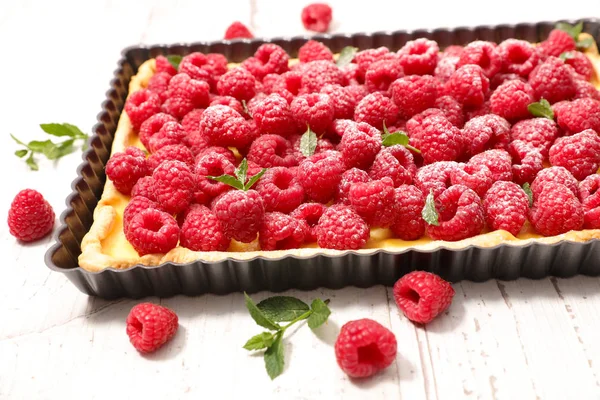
[
  {"x": 567, "y": 55},
  {"x": 393, "y": 139},
  {"x": 585, "y": 43},
  {"x": 17, "y": 140},
  {"x": 65, "y": 148},
  {"x": 260, "y": 341},
  {"x": 320, "y": 313},
  {"x": 528, "y": 192},
  {"x": 242, "y": 171},
  {"x": 308, "y": 142},
  {"x": 254, "y": 179},
  {"x": 63, "y": 130},
  {"x": 21, "y": 153},
  {"x": 274, "y": 357},
  {"x": 572, "y": 30},
  {"x": 31, "y": 163},
  {"x": 258, "y": 316},
  {"x": 346, "y": 56},
  {"x": 229, "y": 180},
  {"x": 429, "y": 213},
  {"x": 541, "y": 109},
  {"x": 282, "y": 308},
  {"x": 174, "y": 60}
]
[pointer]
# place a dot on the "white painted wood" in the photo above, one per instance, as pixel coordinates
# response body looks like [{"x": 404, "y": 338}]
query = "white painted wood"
[{"x": 511, "y": 340}]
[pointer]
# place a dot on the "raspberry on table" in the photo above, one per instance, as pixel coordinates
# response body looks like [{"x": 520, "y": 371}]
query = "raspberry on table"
[
  {"x": 211, "y": 164},
  {"x": 237, "y": 83},
  {"x": 408, "y": 223},
  {"x": 474, "y": 176},
  {"x": 173, "y": 186},
  {"x": 422, "y": 296},
  {"x": 589, "y": 194},
  {"x": 341, "y": 228},
  {"x": 268, "y": 59},
  {"x": 382, "y": 73},
  {"x": 171, "y": 133},
  {"x": 579, "y": 115},
  {"x": 141, "y": 105},
  {"x": 552, "y": 80},
  {"x": 486, "y": 132},
  {"x": 281, "y": 232},
  {"x": 518, "y": 57},
  {"x": 438, "y": 140},
  {"x": 376, "y": 109},
  {"x": 445, "y": 68},
  {"x": 460, "y": 215},
  {"x": 317, "y": 74},
  {"x": 365, "y": 347},
  {"x": 159, "y": 84},
  {"x": 152, "y": 231},
  {"x": 272, "y": 151},
  {"x": 320, "y": 174},
  {"x": 581, "y": 64},
  {"x": 185, "y": 94},
  {"x": 413, "y": 94},
  {"x": 274, "y": 116},
  {"x": 144, "y": 187},
  {"x": 554, "y": 174},
  {"x": 314, "y": 109},
  {"x": 396, "y": 162},
  {"x": 484, "y": 54},
  {"x": 237, "y": 30},
  {"x": 343, "y": 99},
  {"x": 558, "y": 42},
  {"x": 30, "y": 216},
  {"x": 316, "y": 17},
  {"x": 556, "y": 210},
  {"x": 150, "y": 326},
  {"x": 527, "y": 161},
  {"x": 163, "y": 65},
  {"x": 152, "y": 125},
  {"x": 280, "y": 190},
  {"x": 202, "y": 231},
  {"x": 538, "y": 132},
  {"x": 469, "y": 85},
  {"x": 124, "y": 169},
  {"x": 579, "y": 153},
  {"x": 374, "y": 201},
  {"x": 309, "y": 215},
  {"x": 435, "y": 177},
  {"x": 136, "y": 205},
  {"x": 313, "y": 51},
  {"x": 419, "y": 57},
  {"x": 359, "y": 145},
  {"x": 505, "y": 206},
  {"x": 511, "y": 99},
  {"x": 177, "y": 152},
  {"x": 223, "y": 126},
  {"x": 365, "y": 58},
  {"x": 498, "y": 161},
  {"x": 349, "y": 179},
  {"x": 241, "y": 213},
  {"x": 224, "y": 101}
]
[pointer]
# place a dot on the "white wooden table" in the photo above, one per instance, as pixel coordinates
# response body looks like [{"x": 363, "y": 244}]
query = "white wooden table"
[{"x": 513, "y": 340}]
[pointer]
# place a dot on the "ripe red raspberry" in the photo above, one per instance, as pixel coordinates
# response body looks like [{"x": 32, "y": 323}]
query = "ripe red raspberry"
[
  {"x": 30, "y": 216},
  {"x": 452, "y": 51},
  {"x": 152, "y": 231},
  {"x": 223, "y": 126},
  {"x": 476, "y": 177},
  {"x": 272, "y": 151},
  {"x": 419, "y": 57},
  {"x": 124, "y": 169},
  {"x": 313, "y": 51},
  {"x": 171, "y": 133},
  {"x": 435, "y": 177},
  {"x": 500, "y": 78},
  {"x": 173, "y": 186},
  {"x": 237, "y": 30},
  {"x": 159, "y": 84},
  {"x": 225, "y": 101},
  {"x": 359, "y": 145},
  {"x": 341, "y": 228},
  {"x": 136, "y": 205},
  {"x": 237, "y": 83},
  {"x": 382, "y": 73},
  {"x": 281, "y": 232},
  {"x": 527, "y": 161},
  {"x": 554, "y": 174},
  {"x": 518, "y": 57},
  {"x": 396, "y": 162},
  {"x": 202, "y": 231},
  {"x": 241, "y": 213},
  {"x": 486, "y": 132},
  {"x": 556, "y": 210},
  {"x": 484, "y": 109},
  {"x": 365, "y": 58},
  {"x": 140, "y": 106},
  {"x": 510, "y": 100},
  {"x": 280, "y": 190},
  {"x": 413, "y": 94},
  {"x": 484, "y": 54},
  {"x": 344, "y": 101},
  {"x": 552, "y": 80},
  {"x": 589, "y": 192},
  {"x": 374, "y": 201},
  {"x": 365, "y": 347},
  {"x": 586, "y": 89},
  {"x": 308, "y": 214},
  {"x": 316, "y": 17},
  {"x": 408, "y": 223},
  {"x": 144, "y": 187},
  {"x": 196, "y": 65},
  {"x": 185, "y": 94},
  {"x": 315, "y": 110},
  {"x": 223, "y": 151},
  {"x": 320, "y": 174},
  {"x": 171, "y": 152},
  {"x": 149, "y": 326},
  {"x": 452, "y": 109},
  {"x": 579, "y": 115},
  {"x": 211, "y": 164},
  {"x": 268, "y": 59},
  {"x": 498, "y": 161},
  {"x": 287, "y": 85},
  {"x": 579, "y": 154},
  {"x": 152, "y": 125},
  {"x": 557, "y": 43},
  {"x": 422, "y": 296},
  {"x": 216, "y": 64},
  {"x": 438, "y": 140},
  {"x": 538, "y": 132},
  {"x": 163, "y": 65},
  {"x": 581, "y": 64},
  {"x": 460, "y": 215},
  {"x": 505, "y": 206},
  {"x": 274, "y": 116},
  {"x": 445, "y": 68},
  {"x": 317, "y": 74},
  {"x": 376, "y": 109},
  {"x": 349, "y": 179},
  {"x": 468, "y": 85}
]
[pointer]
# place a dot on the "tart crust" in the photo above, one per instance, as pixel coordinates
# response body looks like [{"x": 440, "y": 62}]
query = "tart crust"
[{"x": 105, "y": 246}]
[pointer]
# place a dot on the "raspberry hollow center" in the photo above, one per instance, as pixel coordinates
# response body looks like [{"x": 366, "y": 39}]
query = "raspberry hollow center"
[
  {"x": 153, "y": 225},
  {"x": 370, "y": 355},
  {"x": 136, "y": 326},
  {"x": 282, "y": 181},
  {"x": 410, "y": 295}
]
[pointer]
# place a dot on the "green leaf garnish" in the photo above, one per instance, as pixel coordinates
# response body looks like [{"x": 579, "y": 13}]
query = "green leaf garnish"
[
  {"x": 528, "y": 192},
  {"x": 239, "y": 180},
  {"x": 541, "y": 109},
  {"x": 258, "y": 316},
  {"x": 282, "y": 308},
  {"x": 346, "y": 56},
  {"x": 21, "y": 153},
  {"x": 572, "y": 30},
  {"x": 567, "y": 55},
  {"x": 242, "y": 171},
  {"x": 320, "y": 313},
  {"x": 274, "y": 357},
  {"x": 31, "y": 163},
  {"x": 174, "y": 60},
  {"x": 260, "y": 341},
  {"x": 429, "y": 213},
  {"x": 585, "y": 43},
  {"x": 229, "y": 180},
  {"x": 308, "y": 142},
  {"x": 395, "y": 138}
]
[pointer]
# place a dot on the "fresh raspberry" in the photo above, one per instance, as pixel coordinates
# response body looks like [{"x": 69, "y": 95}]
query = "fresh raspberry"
[
  {"x": 382, "y": 73},
  {"x": 211, "y": 164},
  {"x": 552, "y": 80},
  {"x": 350, "y": 74},
  {"x": 419, "y": 57},
  {"x": 152, "y": 125},
  {"x": 317, "y": 74},
  {"x": 579, "y": 154},
  {"x": 280, "y": 190},
  {"x": 237, "y": 83},
  {"x": 136, "y": 205},
  {"x": 579, "y": 115},
  {"x": 241, "y": 213},
  {"x": 476, "y": 177},
  {"x": 287, "y": 85},
  {"x": 268, "y": 59},
  {"x": 344, "y": 101},
  {"x": 538, "y": 132},
  {"x": 171, "y": 152},
  {"x": 445, "y": 68},
  {"x": 124, "y": 169},
  {"x": 320, "y": 174},
  {"x": 30, "y": 216},
  {"x": 486, "y": 132},
  {"x": 226, "y": 101},
  {"x": 483, "y": 109},
  {"x": 149, "y": 326},
  {"x": 163, "y": 65},
  {"x": 460, "y": 215},
  {"x": 216, "y": 65},
  {"x": 413, "y": 94},
  {"x": 438, "y": 140},
  {"x": 422, "y": 296},
  {"x": 223, "y": 126},
  {"x": 223, "y": 151},
  {"x": 313, "y": 51},
  {"x": 374, "y": 201},
  {"x": 452, "y": 51},
  {"x": 272, "y": 151},
  {"x": 274, "y": 116},
  {"x": 365, "y": 58},
  {"x": 322, "y": 145},
  {"x": 315, "y": 110},
  {"x": 505, "y": 206},
  {"x": 376, "y": 109},
  {"x": 152, "y": 231},
  {"x": 527, "y": 161},
  {"x": 518, "y": 57},
  {"x": 365, "y": 347},
  {"x": 468, "y": 85},
  {"x": 281, "y": 232},
  {"x": 556, "y": 210},
  {"x": 196, "y": 66},
  {"x": 316, "y": 17},
  {"x": 349, "y": 178},
  {"x": 589, "y": 192},
  {"x": 435, "y": 177},
  {"x": 498, "y": 161},
  {"x": 396, "y": 162},
  {"x": 408, "y": 223},
  {"x": 581, "y": 64},
  {"x": 193, "y": 90},
  {"x": 237, "y": 30},
  {"x": 202, "y": 231},
  {"x": 359, "y": 145},
  {"x": 500, "y": 78},
  {"x": 554, "y": 174},
  {"x": 309, "y": 214},
  {"x": 452, "y": 109},
  {"x": 585, "y": 89},
  {"x": 484, "y": 54},
  {"x": 557, "y": 43},
  {"x": 171, "y": 133},
  {"x": 341, "y": 228},
  {"x": 140, "y": 106},
  {"x": 173, "y": 186},
  {"x": 510, "y": 100},
  {"x": 144, "y": 187},
  {"x": 159, "y": 84}
]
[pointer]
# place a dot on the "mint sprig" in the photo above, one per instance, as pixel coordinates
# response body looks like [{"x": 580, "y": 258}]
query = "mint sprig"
[
  {"x": 392, "y": 139},
  {"x": 429, "y": 213},
  {"x": 276, "y": 309},
  {"x": 541, "y": 109},
  {"x": 51, "y": 150},
  {"x": 528, "y": 192},
  {"x": 308, "y": 142},
  {"x": 241, "y": 175},
  {"x": 567, "y": 55},
  {"x": 346, "y": 56},
  {"x": 574, "y": 31},
  {"x": 174, "y": 60}
]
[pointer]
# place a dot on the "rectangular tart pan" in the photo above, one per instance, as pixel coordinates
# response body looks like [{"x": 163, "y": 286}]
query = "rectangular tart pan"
[{"x": 474, "y": 263}]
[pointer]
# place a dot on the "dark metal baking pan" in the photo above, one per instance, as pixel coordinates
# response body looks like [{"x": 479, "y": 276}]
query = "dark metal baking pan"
[{"x": 384, "y": 267}]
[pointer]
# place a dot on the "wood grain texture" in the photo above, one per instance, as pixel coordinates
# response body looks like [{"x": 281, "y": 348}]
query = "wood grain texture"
[{"x": 506, "y": 340}]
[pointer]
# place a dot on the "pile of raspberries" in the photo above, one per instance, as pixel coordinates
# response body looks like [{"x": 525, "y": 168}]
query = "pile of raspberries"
[{"x": 476, "y": 156}]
